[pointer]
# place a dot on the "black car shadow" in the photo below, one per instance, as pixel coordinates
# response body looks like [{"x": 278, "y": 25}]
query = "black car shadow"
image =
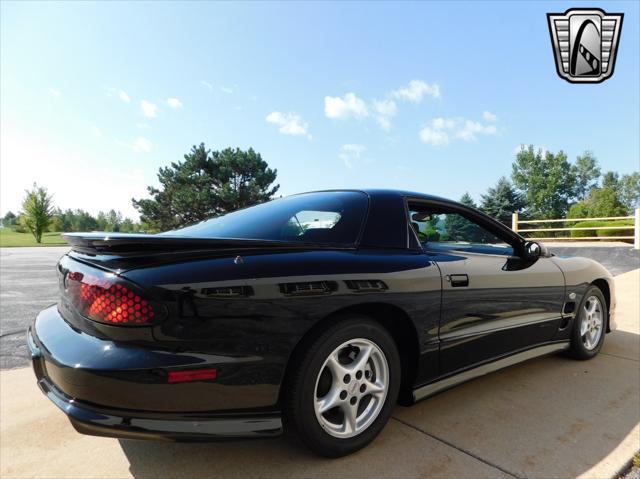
[{"x": 522, "y": 419}]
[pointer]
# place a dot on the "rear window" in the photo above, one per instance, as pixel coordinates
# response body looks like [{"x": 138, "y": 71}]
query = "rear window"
[{"x": 325, "y": 217}]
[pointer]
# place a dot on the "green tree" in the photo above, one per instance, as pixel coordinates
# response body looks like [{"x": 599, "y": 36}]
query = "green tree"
[
  {"x": 114, "y": 219},
  {"x": 546, "y": 180},
  {"x": 37, "y": 210},
  {"x": 501, "y": 201},
  {"x": 467, "y": 200},
  {"x": 67, "y": 220},
  {"x": 56, "y": 220},
  {"x": 83, "y": 221},
  {"x": 127, "y": 226},
  {"x": 101, "y": 221},
  {"x": 142, "y": 227},
  {"x": 611, "y": 179},
  {"x": 626, "y": 186},
  {"x": 601, "y": 202},
  {"x": 56, "y": 223},
  {"x": 457, "y": 227},
  {"x": 206, "y": 184},
  {"x": 586, "y": 172},
  {"x": 9, "y": 219},
  {"x": 630, "y": 191}
]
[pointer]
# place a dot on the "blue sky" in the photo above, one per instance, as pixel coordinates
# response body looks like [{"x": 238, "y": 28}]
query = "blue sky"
[{"x": 432, "y": 97}]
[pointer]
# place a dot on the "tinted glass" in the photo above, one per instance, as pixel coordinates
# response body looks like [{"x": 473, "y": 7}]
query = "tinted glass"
[
  {"x": 451, "y": 231},
  {"x": 330, "y": 217}
]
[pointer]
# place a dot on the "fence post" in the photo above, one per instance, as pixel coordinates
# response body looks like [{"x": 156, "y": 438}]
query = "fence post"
[
  {"x": 514, "y": 221},
  {"x": 636, "y": 230}
]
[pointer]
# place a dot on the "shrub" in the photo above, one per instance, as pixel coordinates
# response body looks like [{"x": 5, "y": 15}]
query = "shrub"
[
  {"x": 432, "y": 234},
  {"x": 604, "y": 232}
]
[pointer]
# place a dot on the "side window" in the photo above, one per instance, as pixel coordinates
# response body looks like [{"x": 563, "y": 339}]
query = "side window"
[{"x": 452, "y": 231}]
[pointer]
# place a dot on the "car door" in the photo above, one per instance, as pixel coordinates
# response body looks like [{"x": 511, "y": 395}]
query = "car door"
[{"x": 493, "y": 302}]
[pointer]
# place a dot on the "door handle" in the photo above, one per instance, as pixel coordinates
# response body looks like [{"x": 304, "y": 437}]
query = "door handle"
[{"x": 458, "y": 280}]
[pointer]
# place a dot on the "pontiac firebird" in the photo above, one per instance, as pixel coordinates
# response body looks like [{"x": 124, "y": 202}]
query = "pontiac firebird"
[{"x": 315, "y": 313}]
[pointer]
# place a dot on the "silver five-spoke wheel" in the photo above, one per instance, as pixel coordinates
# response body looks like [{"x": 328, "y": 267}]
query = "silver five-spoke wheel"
[
  {"x": 351, "y": 388},
  {"x": 592, "y": 322}
]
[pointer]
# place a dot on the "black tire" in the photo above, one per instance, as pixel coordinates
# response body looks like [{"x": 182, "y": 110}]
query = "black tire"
[
  {"x": 300, "y": 393},
  {"x": 578, "y": 349}
]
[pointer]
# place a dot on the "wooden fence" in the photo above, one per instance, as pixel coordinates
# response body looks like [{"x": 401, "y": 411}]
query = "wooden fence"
[{"x": 516, "y": 222}]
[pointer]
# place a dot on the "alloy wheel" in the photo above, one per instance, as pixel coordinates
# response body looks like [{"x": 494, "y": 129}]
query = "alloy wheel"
[
  {"x": 592, "y": 322},
  {"x": 351, "y": 388}
]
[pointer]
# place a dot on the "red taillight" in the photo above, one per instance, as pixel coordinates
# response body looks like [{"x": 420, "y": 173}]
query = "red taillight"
[
  {"x": 107, "y": 300},
  {"x": 191, "y": 375},
  {"x": 117, "y": 304}
]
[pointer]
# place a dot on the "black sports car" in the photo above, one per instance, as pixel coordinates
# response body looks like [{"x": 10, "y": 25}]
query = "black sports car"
[{"x": 318, "y": 312}]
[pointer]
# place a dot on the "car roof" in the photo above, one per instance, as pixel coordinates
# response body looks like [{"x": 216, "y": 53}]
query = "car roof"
[
  {"x": 404, "y": 193},
  {"x": 387, "y": 192}
]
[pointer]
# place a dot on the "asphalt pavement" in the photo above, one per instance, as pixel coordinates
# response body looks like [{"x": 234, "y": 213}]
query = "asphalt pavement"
[
  {"x": 617, "y": 259},
  {"x": 28, "y": 284}
]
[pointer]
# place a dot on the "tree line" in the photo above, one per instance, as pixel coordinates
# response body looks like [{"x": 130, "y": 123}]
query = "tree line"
[
  {"x": 546, "y": 185},
  {"x": 542, "y": 185},
  {"x": 38, "y": 216},
  {"x": 206, "y": 184}
]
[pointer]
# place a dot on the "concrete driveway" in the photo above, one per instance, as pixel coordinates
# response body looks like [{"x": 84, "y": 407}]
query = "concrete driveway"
[{"x": 551, "y": 417}]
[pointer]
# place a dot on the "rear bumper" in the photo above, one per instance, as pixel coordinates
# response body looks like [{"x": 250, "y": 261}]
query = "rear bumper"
[{"x": 90, "y": 418}]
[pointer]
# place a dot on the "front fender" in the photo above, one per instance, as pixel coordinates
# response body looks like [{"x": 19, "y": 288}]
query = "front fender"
[{"x": 580, "y": 273}]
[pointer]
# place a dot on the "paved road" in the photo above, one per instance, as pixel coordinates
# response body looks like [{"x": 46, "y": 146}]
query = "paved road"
[
  {"x": 617, "y": 260},
  {"x": 28, "y": 284}
]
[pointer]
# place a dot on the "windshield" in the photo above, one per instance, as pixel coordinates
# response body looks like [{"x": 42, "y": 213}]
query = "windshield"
[{"x": 326, "y": 217}]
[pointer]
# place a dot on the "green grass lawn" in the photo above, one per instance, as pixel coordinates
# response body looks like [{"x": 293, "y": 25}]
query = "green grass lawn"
[{"x": 8, "y": 237}]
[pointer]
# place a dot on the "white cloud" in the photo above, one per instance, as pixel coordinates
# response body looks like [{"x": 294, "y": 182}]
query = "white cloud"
[
  {"x": 174, "y": 103},
  {"x": 351, "y": 153},
  {"x": 150, "y": 110},
  {"x": 349, "y": 106},
  {"x": 123, "y": 96},
  {"x": 206, "y": 84},
  {"x": 226, "y": 89},
  {"x": 55, "y": 92},
  {"x": 470, "y": 129},
  {"x": 385, "y": 110},
  {"x": 416, "y": 91},
  {"x": 141, "y": 145},
  {"x": 487, "y": 115},
  {"x": 289, "y": 123},
  {"x": 434, "y": 137},
  {"x": 385, "y": 107},
  {"x": 441, "y": 131}
]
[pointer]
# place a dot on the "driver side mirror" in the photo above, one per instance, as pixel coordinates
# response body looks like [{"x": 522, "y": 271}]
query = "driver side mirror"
[{"x": 533, "y": 250}]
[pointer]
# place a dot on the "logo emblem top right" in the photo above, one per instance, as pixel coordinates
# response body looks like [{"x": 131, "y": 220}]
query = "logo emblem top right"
[{"x": 585, "y": 43}]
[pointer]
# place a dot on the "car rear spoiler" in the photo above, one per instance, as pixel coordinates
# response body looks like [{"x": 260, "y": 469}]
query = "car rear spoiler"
[{"x": 137, "y": 243}]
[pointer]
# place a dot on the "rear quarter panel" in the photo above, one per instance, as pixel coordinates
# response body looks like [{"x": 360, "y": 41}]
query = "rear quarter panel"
[{"x": 267, "y": 324}]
